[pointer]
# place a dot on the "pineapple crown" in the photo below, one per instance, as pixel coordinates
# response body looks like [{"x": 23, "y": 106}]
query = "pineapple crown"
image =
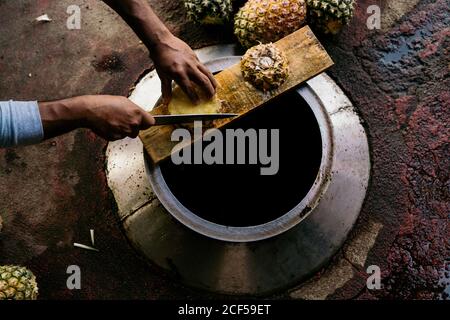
[
  {"x": 341, "y": 9},
  {"x": 209, "y": 11}
]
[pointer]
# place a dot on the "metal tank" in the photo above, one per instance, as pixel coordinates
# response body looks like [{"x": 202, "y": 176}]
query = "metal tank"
[{"x": 252, "y": 260}]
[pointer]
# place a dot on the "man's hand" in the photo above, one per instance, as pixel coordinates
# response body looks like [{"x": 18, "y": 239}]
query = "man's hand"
[
  {"x": 175, "y": 60},
  {"x": 111, "y": 117},
  {"x": 114, "y": 117}
]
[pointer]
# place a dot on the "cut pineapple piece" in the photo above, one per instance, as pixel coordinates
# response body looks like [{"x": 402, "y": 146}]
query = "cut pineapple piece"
[{"x": 181, "y": 104}]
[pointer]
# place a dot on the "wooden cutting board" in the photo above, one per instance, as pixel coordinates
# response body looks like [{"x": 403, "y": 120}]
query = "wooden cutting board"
[{"x": 307, "y": 58}]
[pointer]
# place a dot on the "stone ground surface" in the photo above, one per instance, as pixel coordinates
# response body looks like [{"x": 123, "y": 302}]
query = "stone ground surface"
[{"x": 53, "y": 193}]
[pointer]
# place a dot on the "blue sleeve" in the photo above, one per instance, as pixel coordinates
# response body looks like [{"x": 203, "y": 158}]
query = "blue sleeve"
[{"x": 20, "y": 123}]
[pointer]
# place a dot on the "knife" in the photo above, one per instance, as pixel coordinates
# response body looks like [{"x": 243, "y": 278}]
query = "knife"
[{"x": 186, "y": 118}]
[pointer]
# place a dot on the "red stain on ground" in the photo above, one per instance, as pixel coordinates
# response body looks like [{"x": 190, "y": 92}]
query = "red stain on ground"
[
  {"x": 402, "y": 105},
  {"x": 399, "y": 81},
  {"x": 429, "y": 50}
]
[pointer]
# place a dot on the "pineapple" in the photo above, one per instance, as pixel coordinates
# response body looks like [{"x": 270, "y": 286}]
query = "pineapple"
[
  {"x": 265, "y": 67},
  {"x": 209, "y": 11},
  {"x": 17, "y": 283},
  {"x": 181, "y": 104},
  {"x": 264, "y": 21},
  {"x": 330, "y": 16}
]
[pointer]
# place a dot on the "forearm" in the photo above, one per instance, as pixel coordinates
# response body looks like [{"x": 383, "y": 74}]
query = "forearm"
[
  {"x": 141, "y": 18},
  {"x": 63, "y": 116},
  {"x": 110, "y": 117}
]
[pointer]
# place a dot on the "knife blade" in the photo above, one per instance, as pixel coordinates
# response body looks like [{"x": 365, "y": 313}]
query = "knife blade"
[{"x": 186, "y": 118}]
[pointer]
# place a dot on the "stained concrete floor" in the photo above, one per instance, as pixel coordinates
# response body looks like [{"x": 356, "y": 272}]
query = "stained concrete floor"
[{"x": 53, "y": 193}]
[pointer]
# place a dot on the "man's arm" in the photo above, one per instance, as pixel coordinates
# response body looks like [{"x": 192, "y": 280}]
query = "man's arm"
[
  {"x": 174, "y": 59},
  {"x": 111, "y": 117}
]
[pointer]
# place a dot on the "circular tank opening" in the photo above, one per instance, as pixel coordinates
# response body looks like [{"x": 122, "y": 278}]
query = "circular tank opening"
[{"x": 238, "y": 195}]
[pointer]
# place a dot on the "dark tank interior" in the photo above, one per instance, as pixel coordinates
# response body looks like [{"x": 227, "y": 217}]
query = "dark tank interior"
[{"x": 238, "y": 195}]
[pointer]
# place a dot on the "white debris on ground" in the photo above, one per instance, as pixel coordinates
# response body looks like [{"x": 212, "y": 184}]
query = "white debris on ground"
[
  {"x": 85, "y": 247},
  {"x": 92, "y": 237},
  {"x": 43, "y": 18}
]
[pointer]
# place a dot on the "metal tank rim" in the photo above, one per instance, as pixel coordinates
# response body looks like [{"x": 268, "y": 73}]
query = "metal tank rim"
[{"x": 269, "y": 229}]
